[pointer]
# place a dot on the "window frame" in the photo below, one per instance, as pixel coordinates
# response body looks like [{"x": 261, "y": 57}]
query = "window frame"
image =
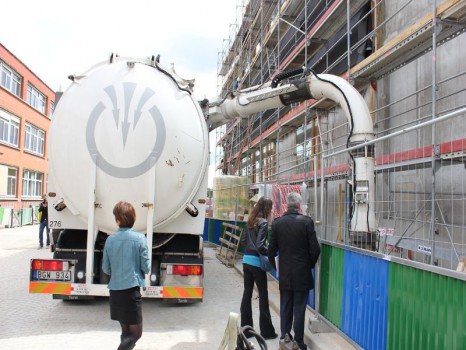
[
  {"x": 12, "y": 124},
  {"x": 34, "y": 139},
  {"x": 52, "y": 109},
  {"x": 36, "y": 99},
  {"x": 32, "y": 184},
  {"x": 12, "y": 182},
  {"x": 13, "y": 81}
]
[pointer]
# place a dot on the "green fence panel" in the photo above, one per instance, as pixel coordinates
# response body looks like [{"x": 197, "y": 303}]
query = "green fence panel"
[
  {"x": 25, "y": 216},
  {"x": 331, "y": 283},
  {"x": 36, "y": 212},
  {"x": 426, "y": 310}
]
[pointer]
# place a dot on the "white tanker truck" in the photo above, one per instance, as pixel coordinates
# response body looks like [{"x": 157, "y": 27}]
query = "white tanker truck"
[{"x": 130, "y": 129}]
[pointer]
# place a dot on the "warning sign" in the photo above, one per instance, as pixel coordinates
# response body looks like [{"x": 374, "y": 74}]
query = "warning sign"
[
  {"x": 386, "y": 231},
  {"x": 389, "y": 248}
]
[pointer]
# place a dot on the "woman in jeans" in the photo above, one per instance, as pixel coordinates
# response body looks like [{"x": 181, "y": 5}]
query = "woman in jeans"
[
  {"x": 254, "y": 241},
  {"x": 126, "y": 260}
]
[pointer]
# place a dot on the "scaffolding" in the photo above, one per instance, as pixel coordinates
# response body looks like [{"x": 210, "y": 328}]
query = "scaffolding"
[{"x": 404, "y": 57}]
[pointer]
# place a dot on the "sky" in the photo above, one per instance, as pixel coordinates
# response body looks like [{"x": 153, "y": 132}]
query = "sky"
[{"x": 57, "y": 38}]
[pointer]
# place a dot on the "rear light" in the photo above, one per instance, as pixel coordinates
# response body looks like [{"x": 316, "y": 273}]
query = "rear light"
[
  {"x": 50, "y": 265},
  {"x": 184, "y": 270}
]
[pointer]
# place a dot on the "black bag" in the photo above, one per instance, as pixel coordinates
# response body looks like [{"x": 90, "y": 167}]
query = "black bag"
[
  {"x": 264, "y": 259},
  {"x": 265, "y": 263}
]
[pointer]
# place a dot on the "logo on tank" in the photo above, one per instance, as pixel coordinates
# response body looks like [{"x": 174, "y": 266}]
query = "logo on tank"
[{"x": 125, "y": 121}]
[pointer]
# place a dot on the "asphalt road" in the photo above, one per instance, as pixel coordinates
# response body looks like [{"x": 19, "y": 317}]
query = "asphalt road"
[{"x": 36, "y": 321}]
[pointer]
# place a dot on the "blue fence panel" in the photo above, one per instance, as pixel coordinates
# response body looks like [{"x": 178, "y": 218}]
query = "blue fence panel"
[
  {"x": 365, "y": 300},
  {"x": 311, "y": 299},
  {"x": 217, "y": 230},
  {"x": 205, "y": 233}
]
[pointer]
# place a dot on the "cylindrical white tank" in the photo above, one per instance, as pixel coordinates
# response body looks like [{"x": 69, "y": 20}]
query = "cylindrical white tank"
[{"x": 134, "y": 124}]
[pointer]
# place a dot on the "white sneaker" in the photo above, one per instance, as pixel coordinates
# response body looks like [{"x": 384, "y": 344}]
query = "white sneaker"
[{"x": 284, "y": 342}]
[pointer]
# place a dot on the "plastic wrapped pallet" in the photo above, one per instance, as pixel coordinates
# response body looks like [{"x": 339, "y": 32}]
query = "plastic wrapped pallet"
[{"x": 230, "y": 193}]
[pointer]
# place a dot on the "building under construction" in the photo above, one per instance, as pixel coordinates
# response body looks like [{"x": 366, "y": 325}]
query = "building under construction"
[{"x": 406, "y": 58}]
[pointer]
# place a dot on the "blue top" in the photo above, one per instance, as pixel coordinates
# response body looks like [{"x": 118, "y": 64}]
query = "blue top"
[
  {"x": 126, "y": 259},
  {"x": 251, "y": 260},
  {"x": 255, "y": 243}
]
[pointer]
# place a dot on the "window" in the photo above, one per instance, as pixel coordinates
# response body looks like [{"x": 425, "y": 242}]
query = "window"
[
  {"x": 10, "y": 80},
  {"x": 32, "y": 183},
  {"x": 9, "y": 128},
  {"x": 36, "y": 99},
  {"x": 11, "y": 182},
  {"x": 34, "y": 139},
  {"x": 8, "y": 181},
  {"x": 52, "y": 109}
]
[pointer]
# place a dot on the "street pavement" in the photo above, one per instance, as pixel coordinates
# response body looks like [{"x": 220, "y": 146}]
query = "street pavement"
[
  {"x": 36, "y": 321},
  {"x": 322, "y": 338}
]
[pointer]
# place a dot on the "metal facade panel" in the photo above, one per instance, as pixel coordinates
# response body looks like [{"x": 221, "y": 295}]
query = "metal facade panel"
[
  {"x": 331, "y": 283},
  {"x": 426, "y": 310},
  {"x": 364, "y": 312}
]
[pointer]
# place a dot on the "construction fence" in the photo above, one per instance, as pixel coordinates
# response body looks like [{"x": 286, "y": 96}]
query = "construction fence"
[
  {"x": 24, "y": 216},
  {"x": 409, "y": 292}
]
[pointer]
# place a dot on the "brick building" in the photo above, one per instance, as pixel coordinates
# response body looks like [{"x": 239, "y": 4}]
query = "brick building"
[{"x": 26, "y": 108}]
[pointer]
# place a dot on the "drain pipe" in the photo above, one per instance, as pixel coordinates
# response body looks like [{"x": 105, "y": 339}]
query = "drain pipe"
[
  {"x": 363, "y": 224},
  {"x": 267, "y": 96}
]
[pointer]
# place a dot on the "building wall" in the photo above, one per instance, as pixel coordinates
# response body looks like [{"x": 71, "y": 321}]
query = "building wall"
[
  {"x": 19, "y": 157},
  {"x": 418, "y": 191}
]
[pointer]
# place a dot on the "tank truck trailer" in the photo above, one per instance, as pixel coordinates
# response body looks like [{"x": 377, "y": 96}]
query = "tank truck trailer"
[{"x": 130, "y": 129}]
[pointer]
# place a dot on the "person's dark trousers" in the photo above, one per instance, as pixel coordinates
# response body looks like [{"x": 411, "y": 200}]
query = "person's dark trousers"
[
  {"x": 253, "y": 274},
  {"x": 293, "y": 308},
  {"x": 42, "y": 225}
]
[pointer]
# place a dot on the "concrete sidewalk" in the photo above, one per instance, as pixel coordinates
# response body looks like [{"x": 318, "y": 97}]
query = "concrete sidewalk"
[{"x": 326, "y": 339}]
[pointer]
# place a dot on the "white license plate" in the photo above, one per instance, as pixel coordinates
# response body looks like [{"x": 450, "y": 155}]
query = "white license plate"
[{"x": 54, "y": 275}]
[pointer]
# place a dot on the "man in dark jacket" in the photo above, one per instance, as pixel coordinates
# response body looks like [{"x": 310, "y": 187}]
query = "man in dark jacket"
[{"x": 294, "y": 238}]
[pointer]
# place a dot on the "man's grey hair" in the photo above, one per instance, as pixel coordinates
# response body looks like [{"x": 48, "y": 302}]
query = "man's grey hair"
[{"x": 293, "y": 200}]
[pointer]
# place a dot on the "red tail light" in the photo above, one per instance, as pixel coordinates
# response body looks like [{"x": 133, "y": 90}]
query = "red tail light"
[
  {"x": 47, "y": 265},
  {"x": 187, "y": 270}
]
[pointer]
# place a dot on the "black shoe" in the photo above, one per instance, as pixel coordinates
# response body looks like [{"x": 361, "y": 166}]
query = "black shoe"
[
  {"x": 271, "y": 336},
  {"x": 127, "y": 343},
  {"x": 296, "y": 346}
]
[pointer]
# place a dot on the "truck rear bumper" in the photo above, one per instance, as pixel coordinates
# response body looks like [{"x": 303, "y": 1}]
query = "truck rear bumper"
[{"x": 77, "y": 289}]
